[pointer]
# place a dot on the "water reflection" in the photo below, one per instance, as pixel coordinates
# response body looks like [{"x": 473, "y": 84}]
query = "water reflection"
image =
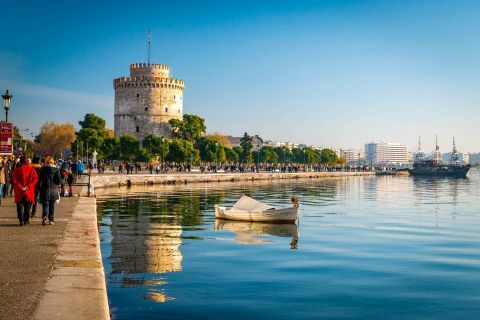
[
  {"x": 253, "y": 232},
  {"x": 371, "y": 247}
]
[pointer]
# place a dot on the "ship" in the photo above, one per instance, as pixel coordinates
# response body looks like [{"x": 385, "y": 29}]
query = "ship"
[{"x": 423, "y": 166}]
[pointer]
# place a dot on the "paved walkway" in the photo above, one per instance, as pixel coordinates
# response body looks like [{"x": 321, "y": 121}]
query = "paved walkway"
[
  {"x": 52, "y": 272},
  {"x": 27, "y": 255}
]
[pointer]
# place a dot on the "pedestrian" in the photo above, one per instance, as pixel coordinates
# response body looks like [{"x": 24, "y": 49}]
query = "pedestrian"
[
  {"x": 49, "y": 182},
  {"x": 70, "y": 180},
  {"x": 24, "y": 179},
  {"x": 80, "y": 168},
  {"x": 2, "y": 177},
  {"x": 38, "y": 167}
]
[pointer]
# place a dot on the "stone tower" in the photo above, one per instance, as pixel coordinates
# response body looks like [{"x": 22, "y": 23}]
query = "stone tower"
[{"x": 147, "y": 100}]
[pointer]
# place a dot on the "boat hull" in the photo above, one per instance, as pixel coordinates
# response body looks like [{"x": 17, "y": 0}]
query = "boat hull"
[
  {"x": 456, "y": 172},
  {"x": 274, "y": 215}
]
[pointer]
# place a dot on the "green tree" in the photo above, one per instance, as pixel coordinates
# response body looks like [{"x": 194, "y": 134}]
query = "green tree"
[
  {"x": 156, "y": 146},
  {"x": 191, "y": 128},
  {"x": 93, "y": 132},
  {"x": 328, "y": 156},
  {"x": 231, "y": 155},
  {"x": 247, "y": 146},
  {"x": 211, "y": 151},
  {"x": 284, "y": 154},
  {"x": 182, "y": 151},
  {"x": 128, "y": 147},
  {"x": 110, "y": 148}
]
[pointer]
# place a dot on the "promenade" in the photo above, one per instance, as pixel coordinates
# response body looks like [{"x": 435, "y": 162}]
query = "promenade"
[{"x": 48, "y": 272}]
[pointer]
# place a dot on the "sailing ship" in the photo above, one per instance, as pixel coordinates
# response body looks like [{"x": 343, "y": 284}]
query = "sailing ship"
[{"x": 423, "y": 166}]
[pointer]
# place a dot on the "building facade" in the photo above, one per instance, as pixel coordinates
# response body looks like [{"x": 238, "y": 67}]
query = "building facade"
[
  {"x": 384, "y": 153},
  {"x": 146, "y": 100}
]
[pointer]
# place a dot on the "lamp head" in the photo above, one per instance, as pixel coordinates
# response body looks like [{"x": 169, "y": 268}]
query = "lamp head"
[{"x": 7, "y": 99}]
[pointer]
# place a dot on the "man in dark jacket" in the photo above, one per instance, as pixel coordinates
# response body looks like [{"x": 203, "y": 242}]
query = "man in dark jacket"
[{"x": 49, "y": 181}]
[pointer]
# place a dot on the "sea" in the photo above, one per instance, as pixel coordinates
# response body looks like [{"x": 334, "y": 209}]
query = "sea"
[{"x": 373, "y": 247}]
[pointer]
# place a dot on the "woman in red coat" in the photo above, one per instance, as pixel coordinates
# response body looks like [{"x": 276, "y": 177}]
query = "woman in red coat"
[{"x": 24, "y": 180}]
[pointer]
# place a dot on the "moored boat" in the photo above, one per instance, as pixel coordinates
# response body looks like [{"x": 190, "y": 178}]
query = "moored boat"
[
  {"x": 249, "y": 209},
  {"x": 435, "y": 168}
]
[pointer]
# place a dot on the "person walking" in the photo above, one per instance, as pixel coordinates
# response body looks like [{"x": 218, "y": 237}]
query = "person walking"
[
  {"x": 24, "y": 179},
  {"x": 38, "y": 168},
  {"x": 80, "y": 168},
  {"x": 2, "y": 177},
  {"x": 49, "y": 181}
]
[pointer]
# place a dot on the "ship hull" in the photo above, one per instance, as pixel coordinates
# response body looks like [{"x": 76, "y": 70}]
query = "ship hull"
[{"x": 456, "y": 172}]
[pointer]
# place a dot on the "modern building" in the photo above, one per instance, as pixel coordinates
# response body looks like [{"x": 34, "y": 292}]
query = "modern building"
[
  {"x": 462, "y": 158},
  {"x": 352, "y": 156},
  {"x": 385, "y": 153},
  {"x": 146, "y": 100}
]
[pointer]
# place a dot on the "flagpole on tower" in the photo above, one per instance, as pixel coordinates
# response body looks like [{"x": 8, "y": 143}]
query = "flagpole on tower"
[{"x": 149, "y": 41}]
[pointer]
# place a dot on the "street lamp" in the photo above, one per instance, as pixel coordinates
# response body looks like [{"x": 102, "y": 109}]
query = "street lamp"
[
  {"x": 304, "y": 161},
  {"x": 7, "y": 99},
  {"x": 258, "y": 157},
  {"x": 216, "y": 157},
  {"x": 163, "y": 148}
]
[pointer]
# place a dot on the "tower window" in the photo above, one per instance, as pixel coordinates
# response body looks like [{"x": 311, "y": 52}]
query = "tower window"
[
  {"x": 146, "y": 108},
  {"x": 173, "y": 96},
  {"x": 166, "y": 109},
  {"x": 138, "y": 95},
  {"x": 134, "y": 118},
  {"x": 138, "y": 129}
]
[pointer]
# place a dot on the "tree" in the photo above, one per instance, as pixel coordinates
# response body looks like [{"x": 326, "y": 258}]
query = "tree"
[
  {"x": 328, "y": 156},
  {"x": 156, "y": 146},
  {"x": 110, "y": 148},
  {"x": 93, "y": 132},
  {"x": 128, "y": 147},
  {"x": 231, "y": 155},
  {"x": 284, "y": 154},
  {"x": 210, "y": 150},
  {"x": 182, "y": 151},
  {"x": 247, "y": 146},
  {"x": 220, "y": 138},
  {"x": 54, "y": 138},
  {"x": 191, "y": 128}
]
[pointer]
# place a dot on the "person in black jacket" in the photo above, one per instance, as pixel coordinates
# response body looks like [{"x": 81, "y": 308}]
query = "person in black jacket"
[{"x": 49, "y": 181}]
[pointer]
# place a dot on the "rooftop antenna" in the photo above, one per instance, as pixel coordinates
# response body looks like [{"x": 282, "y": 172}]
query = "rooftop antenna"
[
  {"x": 149, "y": 42},
  {"x": 419, "y": 143}
]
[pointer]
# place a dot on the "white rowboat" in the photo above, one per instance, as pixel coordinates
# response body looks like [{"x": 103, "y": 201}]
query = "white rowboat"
[{"x": 249, "y": 209}]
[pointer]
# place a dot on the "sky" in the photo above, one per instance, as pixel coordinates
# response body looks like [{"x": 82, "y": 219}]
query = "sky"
[{"x": 327, "y": 73}]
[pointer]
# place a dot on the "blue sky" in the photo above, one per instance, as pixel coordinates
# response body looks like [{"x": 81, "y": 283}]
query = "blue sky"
[{"x": 331, "y": 73}]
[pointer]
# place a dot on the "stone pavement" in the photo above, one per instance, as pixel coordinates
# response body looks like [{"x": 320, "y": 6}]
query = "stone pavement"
[
  {"x": 27, "y": 255},
  {"x": 52, "y": 272}
]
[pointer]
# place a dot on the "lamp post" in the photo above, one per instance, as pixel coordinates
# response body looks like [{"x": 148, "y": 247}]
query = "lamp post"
[
  {"x": 304, "y": 161},
  {"x": 258, "y": 157},
  {"x": 216, "y": 157},
  {"x": 7, "y": 100},
  {"x": 161, "y": 160}
]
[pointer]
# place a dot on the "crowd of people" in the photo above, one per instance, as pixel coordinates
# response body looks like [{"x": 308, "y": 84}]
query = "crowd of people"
[
  {"x": 31, "y": 182},
  {"x": 127, "y": 167}
]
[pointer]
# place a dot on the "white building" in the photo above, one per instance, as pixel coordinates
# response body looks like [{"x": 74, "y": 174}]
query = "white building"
[
  {"x": 463, "y": 158},
  {"x": 352, "y": 156},
  {"x": 385, "y": 153}
]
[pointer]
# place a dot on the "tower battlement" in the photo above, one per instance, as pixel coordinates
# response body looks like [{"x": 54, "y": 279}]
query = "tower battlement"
[
  {"x": 146, "y": 100},
  {"x": 149, "y": 69}
]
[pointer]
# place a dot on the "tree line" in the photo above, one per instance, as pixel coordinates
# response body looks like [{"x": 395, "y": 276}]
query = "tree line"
[{"x": 189, "y": 143}]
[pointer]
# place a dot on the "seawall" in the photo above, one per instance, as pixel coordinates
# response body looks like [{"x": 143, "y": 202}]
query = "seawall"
[{"x": 116, "y": 180}]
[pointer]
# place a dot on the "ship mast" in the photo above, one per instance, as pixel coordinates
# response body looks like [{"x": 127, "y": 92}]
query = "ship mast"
[
  {"x": 454, "y": 152},
  {"x": 438, "y": 155}
]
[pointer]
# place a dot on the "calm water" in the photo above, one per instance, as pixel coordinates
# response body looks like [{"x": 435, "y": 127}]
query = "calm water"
[{"x": 368, "y": 248}]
